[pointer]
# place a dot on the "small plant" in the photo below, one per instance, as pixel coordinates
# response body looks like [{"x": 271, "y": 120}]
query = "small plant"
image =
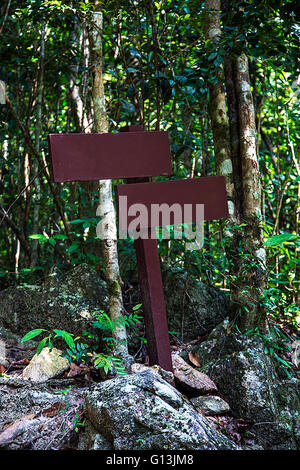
[
  {"x": 275, "y": 349},
  {"x": 49, "y": 338},
  {"x": 79, "y": 352},
  {"x": 64, "y": 392},
  {"x": 109, "y": 363},
  {"x": 105, "y": 323},
  {"x": 75, "y": 424},
  {"x": 140, "y": 442}
]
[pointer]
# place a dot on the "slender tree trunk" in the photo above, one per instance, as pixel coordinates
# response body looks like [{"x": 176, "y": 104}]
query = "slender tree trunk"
[
  {"x": 233, "y": 115},
  {"x": 187, "y": 119},
  {"x": 38, "y": 130},
  {"x": 248, "y": 256},
  {"x": 217, "y": 110},
  {"x": 78, "y": 111},
  {"x": 205, "y": 161},
  {"x": 106, "y": 208},
  {"x": 251, "y": 265}
]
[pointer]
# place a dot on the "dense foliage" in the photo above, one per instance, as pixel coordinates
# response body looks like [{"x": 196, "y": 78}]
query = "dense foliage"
[{"x": 158, "y": 65}]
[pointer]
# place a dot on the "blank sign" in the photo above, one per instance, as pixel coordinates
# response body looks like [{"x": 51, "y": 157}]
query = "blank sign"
[
  {"x": 209, "y": 191},
  {"x": 85, "y": 157}
]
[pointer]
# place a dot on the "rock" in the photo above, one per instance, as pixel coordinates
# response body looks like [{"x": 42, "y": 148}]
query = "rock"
[
  {"x": 25, "y": 418},
  {"x": 287, "y": 397},
  {"x": 100, "y": 443},
  {"x": 210, "y": 405},
  {"x": 46, "y": 365},
  {"x": 164, "y": 374},
  {"x": 247, "y": 379},
  {"x": 12, "y": 348},
  {"x": 23, "y": 426},
  {"x": 4, "y": 362},
  {"x": 92, "y": 440},
  {"x": 65, "y": 301},
  {"x": 142, "y": 412},
  {"x": 191, "y": 380},
  {"x": 193, "y": 307},
  {"x": 230, "y": 359},
  {"x": 3, "y": 359}
]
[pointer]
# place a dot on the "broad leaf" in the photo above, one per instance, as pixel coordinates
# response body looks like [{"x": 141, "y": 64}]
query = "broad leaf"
[
  {"x": 32, "y": 334},
  {"x": 42, "y": 344},
  {"x": 279, "y": 239},
  {"x": 66, "y": 336}
]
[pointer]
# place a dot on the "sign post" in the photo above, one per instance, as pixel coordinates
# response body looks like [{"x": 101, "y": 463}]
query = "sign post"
[
  {"x": 151, "y": 288},
  {"x": 136, "y": 155}
]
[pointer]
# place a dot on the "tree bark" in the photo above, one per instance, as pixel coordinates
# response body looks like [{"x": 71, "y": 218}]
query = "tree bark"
[
  {"x": 78, "y": 111},
  {"x": 106, "y": 208},
  {"x": 217, "y": 110},
  {"x": 251, "y": 262},
  {"x": 38, "y": 130},
  {"x": 248, "y": 256}
]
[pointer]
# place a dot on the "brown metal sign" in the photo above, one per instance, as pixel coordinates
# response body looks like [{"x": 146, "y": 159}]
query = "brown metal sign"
[
  {"x": 134, "y": 155},
  {"x": 84, "y": 157},
  {"x": 209, "y": 191}
]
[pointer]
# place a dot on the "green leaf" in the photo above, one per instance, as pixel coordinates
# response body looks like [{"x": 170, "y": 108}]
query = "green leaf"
[
  {"x": 38, "y": 236},
  {"x": 42, "y": 344},
  {"x": 66, "y": 336},
  {"x": 50, "y": 343},
  {"x": 132, "y": 70},
  {"x": 212, "y": 56},
  {"x": 77, "y": 221},
  {"x": 60, "y": 236},
  {"x": 136, "y": 307},
  {"x": 144, "y": 340},
  {"x": 287, "y": 364},
  {"x": 279, "y": 239},
  {"x": 73, "y": 247},
  {"x": 32, "y": 334}
]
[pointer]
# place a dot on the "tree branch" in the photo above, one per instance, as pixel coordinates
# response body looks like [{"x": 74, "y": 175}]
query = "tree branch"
[
  {"x": 31, "y": 147},
  {"x": 17, "y": 232}
]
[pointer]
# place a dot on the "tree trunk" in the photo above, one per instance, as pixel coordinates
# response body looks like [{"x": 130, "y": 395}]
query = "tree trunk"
[
  {"x": 38, "y": 131},
  {"x": 106, "y": 208},
  {"x": 251, "y": 262},
  {"x": 217, "y": 110},
  {"x": 78, "y": 111},
  {"x": 248, "y": 256}
]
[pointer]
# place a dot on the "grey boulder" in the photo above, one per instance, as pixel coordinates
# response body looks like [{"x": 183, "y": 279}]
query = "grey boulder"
[
  {"x": 143, "y": 412},
  {"x": 65, "y": 301},
  {"x": 210, "y": 405},
  {"x": 249, "y": 381}
]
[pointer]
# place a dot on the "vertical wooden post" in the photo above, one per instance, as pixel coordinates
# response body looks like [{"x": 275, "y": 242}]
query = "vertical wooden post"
[
  {"x": 155, "y": 317},
  {"x": 149, "y": 272}
]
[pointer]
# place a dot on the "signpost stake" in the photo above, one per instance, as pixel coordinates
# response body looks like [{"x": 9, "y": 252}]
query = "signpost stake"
[
  {"x": 152, "y": 294},
  {"x": 135, "y": 157},
  {"x": 150, "y": 281}
]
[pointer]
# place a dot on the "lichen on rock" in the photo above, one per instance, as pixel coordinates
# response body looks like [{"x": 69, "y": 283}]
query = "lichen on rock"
[
  {"x": 65, "y": 300},
  {"x": 144, "y": 412}
]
